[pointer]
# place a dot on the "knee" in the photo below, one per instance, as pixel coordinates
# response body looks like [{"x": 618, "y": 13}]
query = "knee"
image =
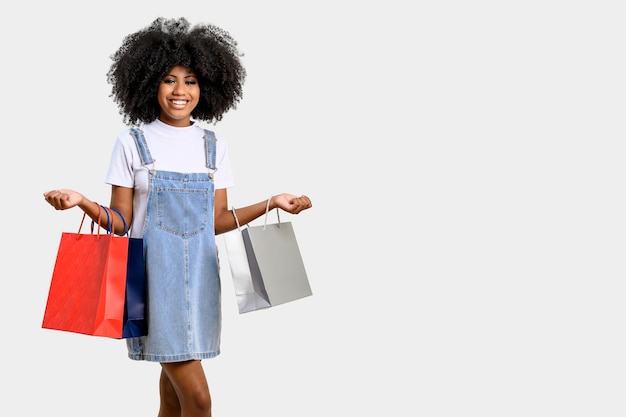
[{"x": 201, "y": 401}]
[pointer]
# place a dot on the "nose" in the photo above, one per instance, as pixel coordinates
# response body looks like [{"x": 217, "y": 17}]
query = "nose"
[{"x": 179, "y": 88}]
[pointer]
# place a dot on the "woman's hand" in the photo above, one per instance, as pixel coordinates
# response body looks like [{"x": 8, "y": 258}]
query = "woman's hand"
[
  {"x": 63, "y": 199},
  {"x": 291, "y": 203}
]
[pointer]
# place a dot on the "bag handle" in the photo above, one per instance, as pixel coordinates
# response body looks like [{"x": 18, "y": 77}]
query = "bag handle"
[
  {"x": 267, "y": 210},
  {"x": 123, "y": 220},
  {"x": 92, "y": 222},
  {"x": 110, "y": 220},
  {"x": 236, "y": 219}
]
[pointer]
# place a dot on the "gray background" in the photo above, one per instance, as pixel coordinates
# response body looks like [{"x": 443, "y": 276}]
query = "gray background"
[{"x": 465, "y": 249}]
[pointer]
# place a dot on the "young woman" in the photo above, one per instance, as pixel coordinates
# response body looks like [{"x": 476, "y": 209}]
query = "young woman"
[{"x": 169, "y": 178}]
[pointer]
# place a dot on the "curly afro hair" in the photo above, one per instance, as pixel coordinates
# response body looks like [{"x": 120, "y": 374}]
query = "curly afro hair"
[{"x": 147, "y": 55}]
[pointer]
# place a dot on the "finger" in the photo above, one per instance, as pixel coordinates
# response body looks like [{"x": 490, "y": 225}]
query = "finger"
[{"x": 306, "y": 201}]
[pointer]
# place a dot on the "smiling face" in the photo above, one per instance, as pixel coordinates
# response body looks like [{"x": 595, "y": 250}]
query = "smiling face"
[{"x": 178, "y": 95}]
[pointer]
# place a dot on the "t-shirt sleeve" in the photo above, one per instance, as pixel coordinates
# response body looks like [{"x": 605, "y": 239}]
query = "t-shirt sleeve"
[
  {"x": 121, "y": 165},
  {"x": 224, "y": 174}
]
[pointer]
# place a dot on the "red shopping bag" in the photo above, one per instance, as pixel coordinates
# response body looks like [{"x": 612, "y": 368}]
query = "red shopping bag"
[{"x": 88, "y": 284}]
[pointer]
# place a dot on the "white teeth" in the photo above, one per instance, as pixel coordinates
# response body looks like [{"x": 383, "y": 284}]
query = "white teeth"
[{"x": 179, "y": 102}]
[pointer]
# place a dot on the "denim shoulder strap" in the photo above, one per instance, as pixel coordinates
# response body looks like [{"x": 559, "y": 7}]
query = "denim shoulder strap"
[
  {"x": 210, "y": 142},
  {"x": 142, "y": 146}
]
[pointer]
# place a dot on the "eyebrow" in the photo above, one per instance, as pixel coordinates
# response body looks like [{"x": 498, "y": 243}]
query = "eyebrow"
[{"x": 186, "y": 76}]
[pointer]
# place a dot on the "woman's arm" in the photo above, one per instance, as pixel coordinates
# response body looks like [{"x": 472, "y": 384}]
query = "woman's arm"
[
  {"x": 225, "y": 221},
  {"x": 121, "y": 199}
]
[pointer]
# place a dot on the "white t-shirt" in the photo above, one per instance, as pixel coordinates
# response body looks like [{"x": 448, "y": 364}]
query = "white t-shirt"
[{"x": 176, "y": 149}]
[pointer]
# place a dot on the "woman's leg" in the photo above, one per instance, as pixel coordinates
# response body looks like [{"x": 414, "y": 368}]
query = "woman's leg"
[
  {"x": 191, "y": 387},
  {"x": 169, "y": 406}
]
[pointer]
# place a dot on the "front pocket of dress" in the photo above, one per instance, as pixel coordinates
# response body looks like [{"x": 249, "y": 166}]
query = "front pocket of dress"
[{"x": 182, "y": 211}]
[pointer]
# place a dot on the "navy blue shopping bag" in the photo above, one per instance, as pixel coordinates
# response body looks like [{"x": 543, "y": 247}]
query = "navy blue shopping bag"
[{"x": 135, "y": 322}]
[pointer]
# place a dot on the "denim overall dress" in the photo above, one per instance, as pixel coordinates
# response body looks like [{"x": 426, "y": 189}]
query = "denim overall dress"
[{"x": 183, "y": 285}]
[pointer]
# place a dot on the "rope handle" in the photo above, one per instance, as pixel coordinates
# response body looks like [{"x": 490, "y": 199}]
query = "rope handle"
[
  {"x": 236, "y": 219},
  {"x": 267, "y": 210},
  {"x": 110, "y": 220},
  {"x": 92, "y": 222},
  {"x": 123, "y": 220}
]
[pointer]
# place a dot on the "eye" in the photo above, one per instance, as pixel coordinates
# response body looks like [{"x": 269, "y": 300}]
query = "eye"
[
  {"x": 191, "y": 82},
  {"x": 168, "y": 81}
]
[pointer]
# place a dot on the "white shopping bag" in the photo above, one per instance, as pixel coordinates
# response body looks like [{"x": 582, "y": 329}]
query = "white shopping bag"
[{"x": 266, "y": 265}]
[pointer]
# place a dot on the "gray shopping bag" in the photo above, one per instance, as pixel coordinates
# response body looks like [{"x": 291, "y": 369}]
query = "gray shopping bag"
[{"x": 266, "y": 265}]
